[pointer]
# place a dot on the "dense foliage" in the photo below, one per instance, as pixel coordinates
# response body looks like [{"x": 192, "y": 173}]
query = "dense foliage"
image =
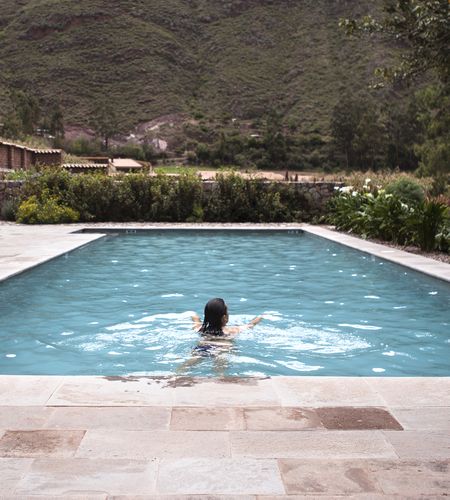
[
  {"x": 398, "y": 214},
  {"x": 49, "y": 197},
  {"x": 420, "y": 27}
]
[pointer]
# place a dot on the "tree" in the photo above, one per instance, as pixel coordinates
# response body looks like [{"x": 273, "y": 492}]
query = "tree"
[
  {"x": 27, "y": 109},
  {"x": 434, "y": 115},
  {"x": 403, "y": 131},
  {"x": 421, "y": 28},
  {"x": 274, "y": 139},
  {"x": 105, "y": 122},
  {"x": 56, "y": 127},
  {"x": 12, "y": 126},
  {"x": 344, "y": 126}
]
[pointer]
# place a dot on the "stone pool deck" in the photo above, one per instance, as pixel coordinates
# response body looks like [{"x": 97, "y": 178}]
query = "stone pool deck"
[
  {"x": 184, "y": 438},
  {"x": 284, "y": 437}
]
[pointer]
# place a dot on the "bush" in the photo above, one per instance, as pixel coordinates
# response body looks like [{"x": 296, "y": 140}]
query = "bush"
[
  {"x": 138, "y": 197},
  {"x": 407, "y": 191},
  {"x": 427, "y": 221},
  {"x": 46, "y": 211},
  {"x": 9, "y": 209},
  {"x": 385, "y": 216}
]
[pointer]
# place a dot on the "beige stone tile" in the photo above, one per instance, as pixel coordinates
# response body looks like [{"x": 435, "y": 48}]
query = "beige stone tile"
[
  {"x": 412, "y": 391},
  {"x": 280, "y": 419},
  {"x": 54, "y": 497},
  {"x": 325, "y": 391},
  {"x": 183, "y": 497},
  {"x": 154, "y": 444},
  {"x": 231, "y": 391},
  {"x": 25, "y": 390},
  {"x": 428, "y": 418},
  {"x": 40, "y": 443},
  {"x": 82, "y": 476},
  {"x": 23, "y": 417},
  {"x": 317, "y": 477},
  {"x": 310, "y": 444},
  {"x": 412, "y": 478},
  {"x": 357, "y": 496},
  {"x": 123, "y": 418},
  {"x": 225, "y": 476},
  {"x": 425, "y": 445},
  {"x": 11, "y": 471},
  {"x": 113, "y": 391},
  {"x": 207, "y": 419}
]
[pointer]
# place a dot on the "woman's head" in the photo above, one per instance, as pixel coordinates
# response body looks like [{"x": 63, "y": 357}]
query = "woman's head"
[{"x": 216, "y": 316}]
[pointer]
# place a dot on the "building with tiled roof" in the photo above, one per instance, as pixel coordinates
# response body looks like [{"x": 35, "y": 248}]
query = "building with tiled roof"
[{"x": 17, "y": 157}]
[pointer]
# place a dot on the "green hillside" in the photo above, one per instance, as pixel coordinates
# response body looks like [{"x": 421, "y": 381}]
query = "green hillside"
[{"x": 149, "y": 58}]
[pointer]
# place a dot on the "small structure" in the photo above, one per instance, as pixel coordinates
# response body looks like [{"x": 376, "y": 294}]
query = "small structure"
[
  {"x": 125, "y": 165},
  {"x": 17, "y": 157}
]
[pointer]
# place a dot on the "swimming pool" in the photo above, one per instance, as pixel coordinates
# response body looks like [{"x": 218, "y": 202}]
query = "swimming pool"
[{"x": 123, "y": 304}]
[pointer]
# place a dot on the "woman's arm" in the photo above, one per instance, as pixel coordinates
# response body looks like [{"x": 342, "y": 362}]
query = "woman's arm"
[
  {"x": 254, "y": 322},
  {"x": 234, "y": 330},
  {"x": 197, "y": 321}
]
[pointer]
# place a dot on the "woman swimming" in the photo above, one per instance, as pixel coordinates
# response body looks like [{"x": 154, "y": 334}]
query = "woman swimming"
[
  {"x": 215, "y": 321},
  {"x": 216, "y": 337}
]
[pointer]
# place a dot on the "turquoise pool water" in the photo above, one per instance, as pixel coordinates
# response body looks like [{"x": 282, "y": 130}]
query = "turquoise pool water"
[{"x": 122, "y": 305}]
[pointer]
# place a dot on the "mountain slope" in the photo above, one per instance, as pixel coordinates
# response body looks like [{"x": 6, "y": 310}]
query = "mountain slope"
[{"x": 154, "y": 57}]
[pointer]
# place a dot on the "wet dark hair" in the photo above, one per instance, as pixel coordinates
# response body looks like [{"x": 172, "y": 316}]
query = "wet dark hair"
[{"x": 215, "y": 309}]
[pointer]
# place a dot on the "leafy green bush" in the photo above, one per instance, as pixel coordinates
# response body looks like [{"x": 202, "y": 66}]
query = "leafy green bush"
[
  {"x": 385, "y": 216},
  {"x": 407, "y": 191},
  {"x": 427, "y": 221},
  {"x": 45, "y": 211}
]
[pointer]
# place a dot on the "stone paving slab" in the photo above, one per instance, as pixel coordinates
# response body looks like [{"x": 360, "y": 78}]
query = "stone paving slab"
[
  {"x": 310, "y": 444},
  {"x": 428, "y": 418},
  {"x": 207, "y": 419},
  {"x": 40, "y": 443},
  {"x": 281, "y": 419},
  {"x": 24, "y": 390},
  {"x": 114, "y": 418},
  {"x": 420, "y": 444},
  {"x": 226, "y": 392},
  {"x": 368, "y": 477},
  {"x": 154, "y": 444},
  {"x": 326, "y": 391},
  {"x": 344, "y": 418},
  {"x": 11, "y": 472},
  {"x": 225, "y": 476},
  {"x": 24, "y": 417},
  {"x": 317, "y": 477},
  {"x": 62, "y": 477},
  {"x": 412, "y": 391},
  {"x": 112, "y": 391}
]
